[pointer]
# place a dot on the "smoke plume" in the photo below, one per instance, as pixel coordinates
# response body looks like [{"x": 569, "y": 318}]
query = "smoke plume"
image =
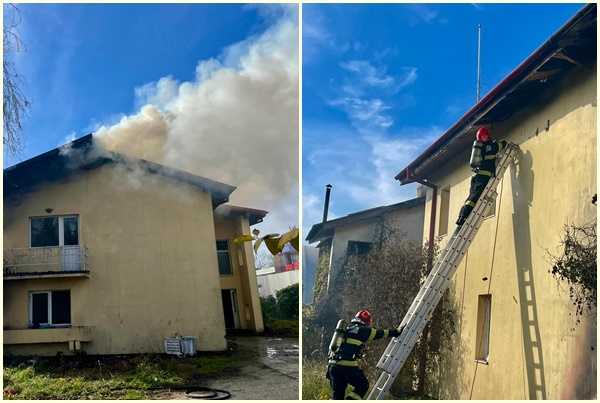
[{"x": 236, "y": 122}]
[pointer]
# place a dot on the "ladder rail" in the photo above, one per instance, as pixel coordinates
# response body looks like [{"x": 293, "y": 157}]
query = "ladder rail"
[{"x": 436, "y": 283}]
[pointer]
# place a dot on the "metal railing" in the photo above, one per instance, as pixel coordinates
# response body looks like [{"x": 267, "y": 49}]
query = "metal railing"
[{"x": 45, "y": 259}]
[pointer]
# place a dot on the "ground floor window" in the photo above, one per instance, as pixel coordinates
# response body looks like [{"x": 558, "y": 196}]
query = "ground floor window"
[{"x": 49, "y": 308}]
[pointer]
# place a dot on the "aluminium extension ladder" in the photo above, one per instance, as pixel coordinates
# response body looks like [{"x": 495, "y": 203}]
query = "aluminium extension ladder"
[{"x": 438, "y": 280}]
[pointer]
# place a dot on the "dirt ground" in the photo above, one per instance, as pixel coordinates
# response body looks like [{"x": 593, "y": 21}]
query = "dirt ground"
[{"x": 271, "y": 373}]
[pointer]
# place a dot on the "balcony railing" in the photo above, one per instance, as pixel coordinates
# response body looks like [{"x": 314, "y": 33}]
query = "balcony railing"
[{"x": 45, "y": 261}]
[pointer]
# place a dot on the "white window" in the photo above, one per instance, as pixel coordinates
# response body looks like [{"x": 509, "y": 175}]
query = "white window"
[
  {"x": 49, "y": 308},
  {"x": 484, "y": 312},
  {"x": 54, "y": 231}
]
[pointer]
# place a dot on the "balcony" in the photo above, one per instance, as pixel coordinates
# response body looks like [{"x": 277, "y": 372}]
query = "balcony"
[
  {"x": 45, "y": 262},
  {"x": 74, "y": 335}
]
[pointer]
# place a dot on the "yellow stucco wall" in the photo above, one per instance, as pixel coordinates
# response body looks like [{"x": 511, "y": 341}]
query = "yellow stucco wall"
[
  {"x": 151, "y": 252},
  {"x": 536, "y": 348}
]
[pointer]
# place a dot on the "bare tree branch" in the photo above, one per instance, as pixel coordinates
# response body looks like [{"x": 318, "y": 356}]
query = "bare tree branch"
[{"x": 14, "y": 101}]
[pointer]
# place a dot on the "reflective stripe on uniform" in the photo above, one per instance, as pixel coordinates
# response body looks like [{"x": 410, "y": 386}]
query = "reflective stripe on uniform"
[
  {"x": 372, "y": 335},
  {"x": 344, "y": 363},
  {"x": 386, "y": 332},
  {"x": 355, "y": 342},
  {"x": 470, "y": 203},
  {"x": 490, "y": 157},
  {"x": 484, "y": 173}
]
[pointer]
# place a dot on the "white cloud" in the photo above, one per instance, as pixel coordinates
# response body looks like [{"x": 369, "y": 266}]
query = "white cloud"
[
  {"x": 365, "y": 112},
  {"x": 361, "y": 167},
  {"x": 237, "y": 122},
  {"x": 424, "y": 13},
  {"x": 368, "y": 74}
]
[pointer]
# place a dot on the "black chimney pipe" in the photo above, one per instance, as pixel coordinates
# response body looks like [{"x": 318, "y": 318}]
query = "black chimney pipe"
[{"x": 326, "y": 207}]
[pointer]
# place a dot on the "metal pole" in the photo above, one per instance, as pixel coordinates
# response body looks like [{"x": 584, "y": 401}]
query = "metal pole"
[
  {"x": 478, "y": 60},
  {"x": 326, "y": 206}
]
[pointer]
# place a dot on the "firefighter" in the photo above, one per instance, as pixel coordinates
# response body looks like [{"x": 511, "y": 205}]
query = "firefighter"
[
  {"x": 483, "y": 164},
  {"x": 345, "y": 350}
]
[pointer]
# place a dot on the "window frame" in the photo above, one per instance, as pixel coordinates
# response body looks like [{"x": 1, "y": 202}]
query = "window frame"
[
  {"x": 445, "y": 190},
  {"x": 348, "y": 248},
  {"x": 61, "y": 230},
  {"x": 228, "y": 251},
  {"x": 49, "y": 324},
  {"x": 484, "y": 327}
]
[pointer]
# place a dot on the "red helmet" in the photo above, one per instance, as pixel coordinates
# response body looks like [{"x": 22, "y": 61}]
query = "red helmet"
[
  {"x": 364, "y": 316},
  {"x": 483, "y": 134}
]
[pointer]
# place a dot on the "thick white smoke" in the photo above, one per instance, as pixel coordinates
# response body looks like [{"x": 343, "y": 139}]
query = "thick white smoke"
[{"x": 237, "y": 122}]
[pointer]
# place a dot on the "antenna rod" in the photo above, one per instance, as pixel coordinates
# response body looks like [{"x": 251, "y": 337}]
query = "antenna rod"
[{"x": 478, "y": 60}]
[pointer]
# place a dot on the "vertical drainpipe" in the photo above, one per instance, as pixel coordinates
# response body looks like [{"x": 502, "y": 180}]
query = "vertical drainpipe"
[{"x": 326, "y": 207}]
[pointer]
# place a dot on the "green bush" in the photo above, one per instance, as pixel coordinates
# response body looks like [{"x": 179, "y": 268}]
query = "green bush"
[
  {"x": 288, "y": 302},
  {"x": 284, "y": 307}
]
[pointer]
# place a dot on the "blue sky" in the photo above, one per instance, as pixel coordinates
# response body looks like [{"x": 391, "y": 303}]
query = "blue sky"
[
  {"x": 82, "y": 62},
  {"x": 381, "y": 82}
]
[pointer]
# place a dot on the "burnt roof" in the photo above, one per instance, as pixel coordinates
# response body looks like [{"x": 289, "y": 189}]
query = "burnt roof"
[
  {"x": 82, "y": 155},
  {"x": 321, "y": 231},
  {"x": 573, "y": 45}
]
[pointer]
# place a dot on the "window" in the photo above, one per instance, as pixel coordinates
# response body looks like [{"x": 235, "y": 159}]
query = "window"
[
  {"x": 356, "y": 248},
  {"x": 444, "y": 211},
  {"x": 54, "y": 231},
  {"x": 49, "y": 308},
  {"x": 484, "y": 311},
  {"x": 223, "y": 258}
]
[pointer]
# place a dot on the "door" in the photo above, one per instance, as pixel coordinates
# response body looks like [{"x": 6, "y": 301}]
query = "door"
[{"x": 230, "y": 308}]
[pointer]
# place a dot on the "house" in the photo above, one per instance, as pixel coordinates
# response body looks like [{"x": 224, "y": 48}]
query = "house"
[
  {"x": 516, "y": 330},
  {"x": 355, "y": 234},
  {"x": 270, "y": 280},
  {"x": 110, "y": 255}
]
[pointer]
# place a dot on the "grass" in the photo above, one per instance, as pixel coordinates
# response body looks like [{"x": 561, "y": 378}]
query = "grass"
[
  {"x": 314, "y": 384},
  {"x": 111, "y": 377}
]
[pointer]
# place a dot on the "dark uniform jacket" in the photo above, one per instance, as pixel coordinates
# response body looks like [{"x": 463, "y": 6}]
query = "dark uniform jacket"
[
  {"x": 355, "y": 338},
  {"x": 489, "y": 152}
]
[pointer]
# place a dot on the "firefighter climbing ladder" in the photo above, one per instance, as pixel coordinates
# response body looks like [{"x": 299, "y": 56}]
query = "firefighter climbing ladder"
[{"x": 437, "y": 282}]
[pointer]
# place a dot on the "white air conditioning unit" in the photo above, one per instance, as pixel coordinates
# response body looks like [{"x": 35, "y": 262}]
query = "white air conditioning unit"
[
  {"x": 173, "y": 346},
  {"x": 181, "y": 345},
  {"x": 188, "y": 345}
]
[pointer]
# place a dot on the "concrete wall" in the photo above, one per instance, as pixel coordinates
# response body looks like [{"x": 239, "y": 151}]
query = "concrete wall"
[
  {"x": 152, "y": 257},
  {"x": 269, "y": 284},
  {"x": 536, "y": 348}
]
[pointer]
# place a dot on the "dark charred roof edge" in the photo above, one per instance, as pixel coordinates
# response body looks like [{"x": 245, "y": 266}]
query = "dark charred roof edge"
[{"x": 219, "y": 191}]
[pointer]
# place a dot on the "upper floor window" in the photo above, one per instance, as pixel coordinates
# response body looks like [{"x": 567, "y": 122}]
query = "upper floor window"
[
  {"x": 444, "y": 211},
  {"x": 54, "y": 231},
  {"x": 223, "y": 258},
  {"x": 356, "y": 248},
  {"x": 49, "y": 308}
]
